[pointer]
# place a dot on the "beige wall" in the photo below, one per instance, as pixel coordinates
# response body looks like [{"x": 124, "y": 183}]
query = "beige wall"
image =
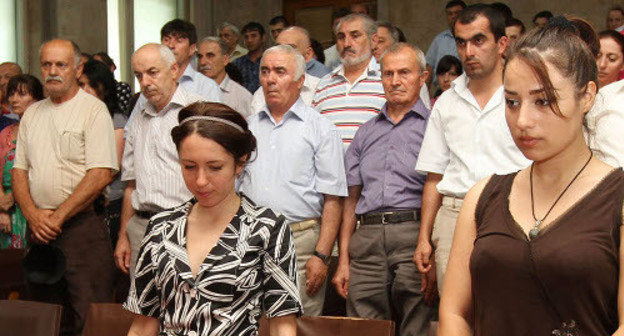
[{"x": 422, "y": 20}]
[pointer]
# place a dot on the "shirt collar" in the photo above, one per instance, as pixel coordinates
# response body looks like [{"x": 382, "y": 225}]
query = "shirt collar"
[
  {"x": 298, "y": 110},
  {"x": 177, "y": 100},
  {"x": 448, "y": 33},
  {"x": 419, "y": 109},
  {"x": 460, "y": 86},
  {"x": 371, "y": 70},
  {"x": 225, "y": 84},
  {"x": 189, "y": 73}
]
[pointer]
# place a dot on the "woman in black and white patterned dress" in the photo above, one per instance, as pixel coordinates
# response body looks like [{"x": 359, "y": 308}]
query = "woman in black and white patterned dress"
[{"x": 215, "y": 264}]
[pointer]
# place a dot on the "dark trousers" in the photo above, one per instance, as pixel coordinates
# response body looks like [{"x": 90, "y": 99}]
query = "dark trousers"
[
  {"x": 89, "y": 273},
  {"x": 384, "y": 283}
]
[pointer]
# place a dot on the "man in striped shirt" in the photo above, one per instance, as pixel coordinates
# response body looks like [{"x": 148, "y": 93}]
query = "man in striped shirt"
[{"x": 352, "y": 94}]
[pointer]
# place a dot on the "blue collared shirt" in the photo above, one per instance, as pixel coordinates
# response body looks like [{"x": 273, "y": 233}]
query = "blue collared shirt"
[
  {"x": 299, "y": 159},
  {"x": 442, "y": 45},
  {"x": 317, "y": 69},
  {"x": 381, "y": 160},
  {"x": 196, "y": 82}
]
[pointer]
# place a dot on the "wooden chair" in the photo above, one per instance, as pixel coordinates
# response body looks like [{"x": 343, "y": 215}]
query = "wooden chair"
[
  {"x": 29, "y": 318},
  {"x": 108, "y": 319},
  {"x": 336, "y": 326},
  {"x": 12, "y": 283}
]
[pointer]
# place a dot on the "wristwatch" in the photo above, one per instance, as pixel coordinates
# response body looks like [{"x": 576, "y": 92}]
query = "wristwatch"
[{"x": 324, "y": 258}]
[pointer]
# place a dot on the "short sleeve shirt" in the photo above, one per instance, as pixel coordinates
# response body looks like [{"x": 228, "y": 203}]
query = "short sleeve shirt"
[
  {"x": 251, "y": 270},
  {"x": 59, "y": 143}
]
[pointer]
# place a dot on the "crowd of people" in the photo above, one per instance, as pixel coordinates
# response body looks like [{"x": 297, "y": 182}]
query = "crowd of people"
[{"x": 484, "y": 172}]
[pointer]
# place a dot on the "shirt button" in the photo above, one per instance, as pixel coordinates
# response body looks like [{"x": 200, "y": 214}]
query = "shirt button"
[{"x": 192, "y": 333}]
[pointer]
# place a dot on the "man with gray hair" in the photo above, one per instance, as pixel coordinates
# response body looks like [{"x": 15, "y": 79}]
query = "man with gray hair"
[
  {"x": 212, "y": 57},
  {"x": 352, "y": 93},
  {"x": 230, "y": 34},
  {"x": 65, "y": 156},
  {"x": 150, "y": 159},
  {"x": 299, "y": 169},
  {"x": 299, "y": 39},
  {"x": 375, "y": 271}
]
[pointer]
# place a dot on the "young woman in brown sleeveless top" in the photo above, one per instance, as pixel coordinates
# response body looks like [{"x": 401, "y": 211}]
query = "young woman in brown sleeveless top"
[{"x": 538, "y": 252}]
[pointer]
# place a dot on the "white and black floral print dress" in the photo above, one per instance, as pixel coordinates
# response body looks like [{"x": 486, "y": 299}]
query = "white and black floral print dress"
[{"x": 252, "y": 269}]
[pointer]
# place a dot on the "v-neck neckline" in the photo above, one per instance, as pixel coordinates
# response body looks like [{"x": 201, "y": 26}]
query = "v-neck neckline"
[
  {"x": 559, "y": 219},
  {"x": 220, "y": 248}
]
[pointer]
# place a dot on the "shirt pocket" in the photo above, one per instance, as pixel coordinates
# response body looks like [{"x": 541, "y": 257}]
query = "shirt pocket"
[{"x": 73, "y": 146}]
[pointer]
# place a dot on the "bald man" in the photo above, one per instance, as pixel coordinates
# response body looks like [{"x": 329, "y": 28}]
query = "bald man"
[
  {"x": 65, "y": 156},
  {"x": 154, "y": 182},
  {"x": 299, "y": 38}
]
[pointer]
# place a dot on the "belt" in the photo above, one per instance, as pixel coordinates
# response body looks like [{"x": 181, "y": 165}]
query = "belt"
[
  {"x": 391, "y": 217},
  {"x": 304, "y": 224},
  {"x": 145, "y": 214}
]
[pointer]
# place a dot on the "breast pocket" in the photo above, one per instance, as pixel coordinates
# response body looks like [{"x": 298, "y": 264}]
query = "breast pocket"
[{"x": 73, "y": 146}]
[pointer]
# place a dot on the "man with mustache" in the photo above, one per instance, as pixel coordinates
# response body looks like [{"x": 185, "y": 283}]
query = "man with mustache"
[
  {"x": 467, "y": 137},
  {"x": 181, "y": 38},
  {"x": 298, "y": 170},
  {"x": 212, "y": 57},
  {"x": 65, "y": 156},
  {"x": 352, "y": 93},
  {"x": 375, "y": 271},
  {"x": 150, "y": 159}
]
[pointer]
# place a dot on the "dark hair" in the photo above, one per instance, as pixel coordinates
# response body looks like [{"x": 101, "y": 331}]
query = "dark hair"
[
  {"x": 106, "y": 59},
  {"x": 447, "y": 63},
  {"x": 25, "y": 84},
  {"x": 394, "y": 32},
  {"x": 279, "y": 19},
  {"x": 617, "y": 8},
  {"x": 587, "y": 33},
  {"x": 86, "y": 55},
  {"x": 559, "y": 45},
  {"x": 253, "y": 26},
  {"x": 615, "y": 36},
  {"x": 504, "y": 9},
  {"x": 239, "y": 144},
  {"x": 234, "y": 73},
  {"x": 402, "y": 37},
  {"x": 513, "y": 22},
  {"x": 543, "y": 14},
  {"x": 340, "y": 13},
  {"x": 454, "y": 3},
  {"x": 494, "y": 16},
  {"x": 318, "y": 49},
  {"x": 102, "y": 80},
  {"x": 179, "y": 28}
]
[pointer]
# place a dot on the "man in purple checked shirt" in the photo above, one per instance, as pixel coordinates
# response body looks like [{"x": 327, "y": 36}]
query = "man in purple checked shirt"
[{"x": 376, "y": 273}]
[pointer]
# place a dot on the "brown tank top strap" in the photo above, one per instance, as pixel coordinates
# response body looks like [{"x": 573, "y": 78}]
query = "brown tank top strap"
[{"x": 496, "y": 190}]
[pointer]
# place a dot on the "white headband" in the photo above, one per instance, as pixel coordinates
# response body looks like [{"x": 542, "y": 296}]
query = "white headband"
[{"x": 216, "y": 119}]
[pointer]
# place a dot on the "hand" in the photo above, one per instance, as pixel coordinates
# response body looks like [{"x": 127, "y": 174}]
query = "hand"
[
  {"x": 341, "y": 279},
  {"x": 316, "y": 272},
  {"x": 422, "y": 256},
  {"x": 429, "y": 285},
  {"x": 122, "y": 252},
  {"x": 6, "y": 201},
  {"x": 5, "y": 222},
  {"x": 41, "y": 225}
]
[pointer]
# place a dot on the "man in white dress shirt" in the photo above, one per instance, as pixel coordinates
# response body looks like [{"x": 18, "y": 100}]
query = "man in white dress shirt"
[
  {"x": 212, "y": 57},
  {"x": 467, "y": 137},
  {"x": 150, "y": 160}
]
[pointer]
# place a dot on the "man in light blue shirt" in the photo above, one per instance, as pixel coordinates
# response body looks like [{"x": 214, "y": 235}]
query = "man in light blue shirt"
[
  {"x": 299, "y": 169},
  {"x": 444, "y": 43},
  {"x": 181, "y": 38}
]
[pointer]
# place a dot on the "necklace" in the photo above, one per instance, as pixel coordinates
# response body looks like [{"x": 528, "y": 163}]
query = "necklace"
[{"x": 535, "y": 230}]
